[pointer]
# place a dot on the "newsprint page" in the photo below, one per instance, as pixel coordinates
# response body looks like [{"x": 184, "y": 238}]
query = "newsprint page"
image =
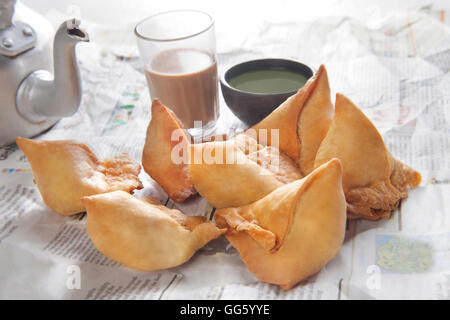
[{"x": 396, "y": 72}]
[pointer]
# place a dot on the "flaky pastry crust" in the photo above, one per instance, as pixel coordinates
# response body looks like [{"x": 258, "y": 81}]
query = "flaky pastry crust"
[{"x": 292, "y": 232}]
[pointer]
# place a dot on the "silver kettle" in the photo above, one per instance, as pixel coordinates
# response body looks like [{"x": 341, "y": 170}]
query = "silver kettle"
[{"x": 36, "y": 88}]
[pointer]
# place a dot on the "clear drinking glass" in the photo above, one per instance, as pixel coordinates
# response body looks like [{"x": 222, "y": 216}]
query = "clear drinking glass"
[{"x": 178, "y": 50}]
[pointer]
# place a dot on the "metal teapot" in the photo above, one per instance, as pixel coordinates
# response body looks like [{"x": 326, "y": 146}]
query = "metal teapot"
[{"x": 36, "y": 89}]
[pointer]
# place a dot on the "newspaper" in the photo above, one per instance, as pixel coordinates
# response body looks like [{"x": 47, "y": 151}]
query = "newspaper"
[{"x": 396, "y": 69}]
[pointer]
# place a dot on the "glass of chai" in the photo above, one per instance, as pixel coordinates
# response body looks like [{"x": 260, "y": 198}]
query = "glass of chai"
[{"x": 178, "y": 50}]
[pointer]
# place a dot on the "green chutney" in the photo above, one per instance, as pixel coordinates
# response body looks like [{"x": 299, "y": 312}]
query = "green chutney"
[{"x": 268, "y": 81}]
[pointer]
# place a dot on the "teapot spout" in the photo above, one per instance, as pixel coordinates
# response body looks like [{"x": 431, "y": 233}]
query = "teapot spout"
[{"x": 42, "y": 96}]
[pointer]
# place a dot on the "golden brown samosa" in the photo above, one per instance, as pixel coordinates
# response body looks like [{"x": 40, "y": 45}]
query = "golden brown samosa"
[
  {"x": 164, "y": 136},
  {"x": 65, "y": 171},
  {"x": 373, "y": 180},
  {"x": 292, "y": 232},
  {"x": 302, "y": 120},
  {"x": 238, "y": 171},
  {"x": 142, "y": 233}
]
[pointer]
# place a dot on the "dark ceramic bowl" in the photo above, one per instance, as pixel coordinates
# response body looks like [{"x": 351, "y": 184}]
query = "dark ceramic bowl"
[{"x": 253, "y": 107}]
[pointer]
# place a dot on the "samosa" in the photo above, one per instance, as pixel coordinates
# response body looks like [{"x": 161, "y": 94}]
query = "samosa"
[
  {"x": 238, "y": 171},
  {"x": 142, "y": 233},
  {"x": 65, "y": 171},
  {"x": 302, "y": 121},
  {"x": 373, "y": 180},
  {"x": 292, "y": 232},
  {"x": 165, "y": 154}
]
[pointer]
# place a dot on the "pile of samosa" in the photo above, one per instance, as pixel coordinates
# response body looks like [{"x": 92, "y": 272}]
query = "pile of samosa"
[{"x": 282, "y": 200}]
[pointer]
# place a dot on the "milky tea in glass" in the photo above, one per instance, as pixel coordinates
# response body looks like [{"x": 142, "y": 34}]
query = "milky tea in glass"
[{"x": 180, "y": 66}]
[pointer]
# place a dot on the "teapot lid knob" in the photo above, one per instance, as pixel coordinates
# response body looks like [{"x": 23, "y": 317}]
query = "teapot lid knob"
[
  {"x": 17, "y": 37},
  {"x": 6, "y": 13}
]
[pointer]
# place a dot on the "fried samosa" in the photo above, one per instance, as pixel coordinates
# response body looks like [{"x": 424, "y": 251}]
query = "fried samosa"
[
  {"x": 142, "y": 233},
  {"x": 373, "y": 180},
  {"x": 292, "y": 232},
  {"x": 165, "y": 156},
  {"x": 302, "y": 121},
  {"x": 238, "y": 171},
  {"x": 65, "y": 171}
]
